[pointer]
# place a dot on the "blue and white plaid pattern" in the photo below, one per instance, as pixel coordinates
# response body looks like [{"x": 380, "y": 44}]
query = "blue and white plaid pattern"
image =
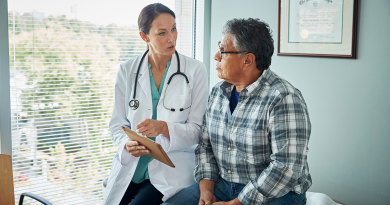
[{"x": 264, "y": 144}]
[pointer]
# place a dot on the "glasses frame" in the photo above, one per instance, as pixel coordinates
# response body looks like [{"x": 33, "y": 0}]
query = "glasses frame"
[{"x": 234, "y": 52}]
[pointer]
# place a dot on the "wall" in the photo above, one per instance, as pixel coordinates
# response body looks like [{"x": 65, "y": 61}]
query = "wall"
[
  {"x": 348, "y": 101},
  {"x": 207, "y": 36}
]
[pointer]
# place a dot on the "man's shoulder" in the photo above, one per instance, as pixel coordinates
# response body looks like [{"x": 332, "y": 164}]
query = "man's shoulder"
[
  {"x": 280, "y": 85},
  {"x": 216, "y": 88}
]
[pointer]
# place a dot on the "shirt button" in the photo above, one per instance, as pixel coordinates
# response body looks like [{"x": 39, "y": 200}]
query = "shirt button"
[
  {"x": 159, "y": 107},
  {"x": 229, "y": 148},
  {"x": 252, "y": 95},
  {"x": 229, "y": 172}
]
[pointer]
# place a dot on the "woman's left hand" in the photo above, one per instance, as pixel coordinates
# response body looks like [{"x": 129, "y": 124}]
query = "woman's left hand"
[{"x": 152, "y": 128}]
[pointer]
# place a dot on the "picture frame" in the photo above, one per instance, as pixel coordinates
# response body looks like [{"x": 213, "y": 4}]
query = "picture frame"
[{"x": 317, "y": 28}]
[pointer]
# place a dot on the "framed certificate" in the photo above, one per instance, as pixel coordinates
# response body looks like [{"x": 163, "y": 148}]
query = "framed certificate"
[{"x": 317, "y": 28}]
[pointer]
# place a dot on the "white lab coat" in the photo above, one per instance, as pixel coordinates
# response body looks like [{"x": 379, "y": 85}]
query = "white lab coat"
[{"x": 184, "y": 126}]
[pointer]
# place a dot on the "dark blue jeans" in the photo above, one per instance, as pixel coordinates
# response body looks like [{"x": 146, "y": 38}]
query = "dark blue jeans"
[
  {"x": 227, "y": 191},
  {"x": 141, "y": 194}
]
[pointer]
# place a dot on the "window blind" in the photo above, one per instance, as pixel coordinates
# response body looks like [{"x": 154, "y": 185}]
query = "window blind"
[
  {"x": 62, "y": 74},
  {"x": 184, "y": 22},
  {"x": 198, "y": 29}
]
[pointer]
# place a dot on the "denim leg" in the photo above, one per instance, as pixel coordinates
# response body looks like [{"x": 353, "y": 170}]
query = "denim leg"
[
  {"x": 300, "y": 199},
  {"x": 187, "y": 196},
  {"x": 191, "y": 194},
  {"x": 222, "y": 190},
  {"x": 291, "y": 198},
  {"x": 236, "y": 190}
]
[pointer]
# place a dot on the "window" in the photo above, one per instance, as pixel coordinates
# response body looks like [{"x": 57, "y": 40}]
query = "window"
[{"x": 64, "y": 57}]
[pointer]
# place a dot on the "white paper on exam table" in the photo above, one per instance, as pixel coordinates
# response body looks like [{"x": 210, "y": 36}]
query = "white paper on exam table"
[{"x": 314, "y": 198}]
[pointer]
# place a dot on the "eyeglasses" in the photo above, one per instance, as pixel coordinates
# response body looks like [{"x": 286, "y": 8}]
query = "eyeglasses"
[{"x": 220, "y": 51}]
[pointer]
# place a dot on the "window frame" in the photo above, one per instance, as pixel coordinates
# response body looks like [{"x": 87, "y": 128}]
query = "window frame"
[{"x": 5, "y": 105}]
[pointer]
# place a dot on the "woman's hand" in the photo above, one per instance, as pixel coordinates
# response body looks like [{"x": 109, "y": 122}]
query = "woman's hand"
[
  {"x": 135, "y": 149},
  {"x": 152, "y": 128}
]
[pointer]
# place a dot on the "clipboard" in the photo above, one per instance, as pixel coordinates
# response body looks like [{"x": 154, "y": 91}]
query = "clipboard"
[{"x": 156, "y": 151}]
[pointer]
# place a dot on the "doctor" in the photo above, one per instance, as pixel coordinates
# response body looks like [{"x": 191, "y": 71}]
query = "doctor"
[{"x": 169, "y": 114}]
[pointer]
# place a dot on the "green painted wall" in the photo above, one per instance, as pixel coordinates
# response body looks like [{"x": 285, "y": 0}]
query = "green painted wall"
[{"x": 348, "y": 100}]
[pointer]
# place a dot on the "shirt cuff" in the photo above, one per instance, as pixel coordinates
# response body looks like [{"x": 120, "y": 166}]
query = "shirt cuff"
[
  {"x": 179, "y": 139},
  {"x": 165, "y": 142},
  {"x": 206, "y": 171},
  {"x": 250, "y": 196},
  {"x": 124, "y": 155}
]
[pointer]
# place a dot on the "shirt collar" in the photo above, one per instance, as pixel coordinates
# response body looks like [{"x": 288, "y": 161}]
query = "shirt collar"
[{"x": 227, "y": 87}]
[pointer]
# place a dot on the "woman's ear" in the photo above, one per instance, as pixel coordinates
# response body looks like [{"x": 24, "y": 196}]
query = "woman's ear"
[{"x": 144, "y": 36}]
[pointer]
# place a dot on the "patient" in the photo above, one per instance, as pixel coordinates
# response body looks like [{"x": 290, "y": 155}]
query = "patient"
[{"x": 254, "y": 143}]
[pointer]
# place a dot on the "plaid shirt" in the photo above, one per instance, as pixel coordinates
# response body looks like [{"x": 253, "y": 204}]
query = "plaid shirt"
[{"x": 262, "y": 144}]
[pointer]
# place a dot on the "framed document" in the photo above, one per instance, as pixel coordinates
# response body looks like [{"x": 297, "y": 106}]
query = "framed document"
[{"x": 318, "y": 28}]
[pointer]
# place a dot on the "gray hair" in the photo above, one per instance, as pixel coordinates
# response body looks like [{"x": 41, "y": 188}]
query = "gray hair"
[{"x": 253, "y": 36}]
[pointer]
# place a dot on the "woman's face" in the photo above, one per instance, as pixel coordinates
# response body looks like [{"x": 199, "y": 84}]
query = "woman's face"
[{"x": 162, "y": 35}]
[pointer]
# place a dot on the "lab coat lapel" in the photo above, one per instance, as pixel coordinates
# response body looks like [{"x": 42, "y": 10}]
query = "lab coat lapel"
[
  {"x": 144, "y": 79},
  {"x": 171, "y": 71}
]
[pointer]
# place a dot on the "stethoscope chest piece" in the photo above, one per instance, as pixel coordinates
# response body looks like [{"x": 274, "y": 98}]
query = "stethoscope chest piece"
[{"x": 134, "y": 104}]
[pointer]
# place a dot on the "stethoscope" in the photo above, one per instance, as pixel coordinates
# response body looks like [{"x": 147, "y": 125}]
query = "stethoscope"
[{"x": 134, "y": 104}]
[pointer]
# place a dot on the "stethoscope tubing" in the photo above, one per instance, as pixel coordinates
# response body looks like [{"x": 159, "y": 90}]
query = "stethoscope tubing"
[
  {"x": 134, "y": 104},
  {"x": 136, "y": 76}
]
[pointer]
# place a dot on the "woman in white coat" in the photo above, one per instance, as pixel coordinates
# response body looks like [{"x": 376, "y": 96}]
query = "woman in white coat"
[{"x": 135, "y": 178}]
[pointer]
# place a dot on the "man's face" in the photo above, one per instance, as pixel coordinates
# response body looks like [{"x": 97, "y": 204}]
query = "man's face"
[{"x": 229, "y": 68}]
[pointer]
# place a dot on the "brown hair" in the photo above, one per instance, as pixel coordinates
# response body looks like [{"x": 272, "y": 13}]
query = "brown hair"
[{"x": 149, "y": 13}]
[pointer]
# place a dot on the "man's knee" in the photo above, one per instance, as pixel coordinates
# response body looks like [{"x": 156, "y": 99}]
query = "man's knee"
[{"x": 187, "y": 196}]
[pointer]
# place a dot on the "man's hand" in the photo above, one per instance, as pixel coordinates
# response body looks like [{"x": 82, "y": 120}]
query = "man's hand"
[
  {"x": 232, "y": 202},
  {"x": 152, "y": 128},
  {"x": 206, "y": 188},
  {"x": 207, "y": 198}
]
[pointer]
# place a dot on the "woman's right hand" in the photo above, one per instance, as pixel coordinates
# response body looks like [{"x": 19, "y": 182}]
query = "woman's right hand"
[{"x": 135, "y": 149}]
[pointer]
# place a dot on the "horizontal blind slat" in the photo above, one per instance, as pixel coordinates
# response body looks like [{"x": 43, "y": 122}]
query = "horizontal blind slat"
[
  {"x": 69, "y": 148},
  {"x": 108, "y": 113},
  {"x": 102, "y": 160},
  {"x": 84, "y": 170}
]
